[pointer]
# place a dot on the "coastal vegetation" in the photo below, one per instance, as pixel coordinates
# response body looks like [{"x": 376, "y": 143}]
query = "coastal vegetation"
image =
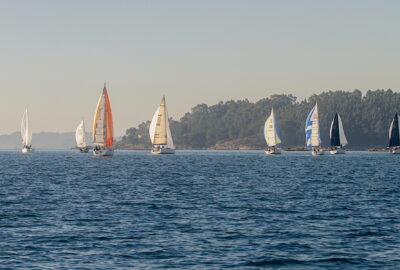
[{"x": 239, "y": 124}]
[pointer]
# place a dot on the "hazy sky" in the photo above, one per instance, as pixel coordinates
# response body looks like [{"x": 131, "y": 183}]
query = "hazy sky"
[{"x": 56, "y": 55}]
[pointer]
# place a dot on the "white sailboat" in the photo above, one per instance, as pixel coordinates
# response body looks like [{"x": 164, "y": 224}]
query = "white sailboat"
[
  {"x": 160, "y": 133},
  {"x": 80, "y": 137},
  {"x": 338, "y": 138},
  {"x": 271, "y": 134},
  {"x": 313, "y": 137},
  {"x": 26, "y": 133},
  {"x": 103, "y": 133},
  {"x": 394, "y": 136}
]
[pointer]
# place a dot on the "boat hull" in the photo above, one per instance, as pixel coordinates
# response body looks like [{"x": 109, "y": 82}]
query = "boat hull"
[
  {"x": 84, "y": 150},
  {"x": 338, "y": 151},
  {"x": 27, "y": 150},
  {"x": 273, "y": 151},
  {"x": 162, "y": 151},
  {"x": 394, "y": 151},
  {"x": 103, "y": 152},
  {"x": 317, "y": 152}
]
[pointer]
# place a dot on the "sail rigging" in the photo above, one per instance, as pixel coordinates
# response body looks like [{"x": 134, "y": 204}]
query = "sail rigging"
[
  {"x": 160, "y": 133},
  {"x": 103, "y": 133},
  {"x": 337, "y": 135},
  {"x": 394, "y": 135},
  {"x": 313, "y": 138},
  {"x": 26, "y": 130},
  {"x": 271, "y": 130},
  {"x": 80, "y": 135}
]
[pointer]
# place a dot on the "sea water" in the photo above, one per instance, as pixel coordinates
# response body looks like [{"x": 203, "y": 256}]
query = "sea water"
[{"x": 199, "y": 210}]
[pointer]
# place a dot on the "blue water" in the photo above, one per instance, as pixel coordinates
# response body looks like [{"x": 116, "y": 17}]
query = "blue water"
[{"x": 199, "y": 210}]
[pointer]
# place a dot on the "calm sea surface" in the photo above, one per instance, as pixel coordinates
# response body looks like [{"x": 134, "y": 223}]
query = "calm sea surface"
[{"x": 199, "y": 210}]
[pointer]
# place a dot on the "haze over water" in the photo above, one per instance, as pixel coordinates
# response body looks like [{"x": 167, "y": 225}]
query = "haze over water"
[{"x": 199, "y": 210}]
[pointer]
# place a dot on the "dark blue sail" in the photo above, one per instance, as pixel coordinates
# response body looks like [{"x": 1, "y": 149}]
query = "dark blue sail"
[
  {"x": 394, "y": 139},
  {"x": 335, "y": 137}
]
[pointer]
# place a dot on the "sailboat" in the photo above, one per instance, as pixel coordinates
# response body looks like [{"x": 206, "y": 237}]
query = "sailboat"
[
  {"x": 80, "y": 137},
  {"x": 313, "y": 138},
  {"x": 271, "y": 134},
  {"x": 394, "y": 136},
  {"x": 160, "y": 134},
  {"x": 338, "y": 138},
  {"x": 103, "y": 133},
  {"x": 26, "y": 133}
]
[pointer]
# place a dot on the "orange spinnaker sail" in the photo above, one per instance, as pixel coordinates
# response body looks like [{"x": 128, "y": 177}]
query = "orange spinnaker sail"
[{"x": 103, "y": 130}]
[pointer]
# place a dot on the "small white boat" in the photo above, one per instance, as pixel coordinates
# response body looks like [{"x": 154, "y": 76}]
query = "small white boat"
[
  {"x": 80, "y": 137},
  {"x": 317, "y": 152},
  {"x": 271, "y": 135},
  {"x": 338, "y": 138},
  {"x": 160, "y": 133},
  {"x": 394, "y": 136},
  {"x": 103, "y": 133},
  {"x": 26, "y": 133},
  {"x": 313, "y": 138}
]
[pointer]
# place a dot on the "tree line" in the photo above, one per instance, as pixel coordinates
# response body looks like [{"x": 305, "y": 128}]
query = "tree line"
[{"x": 366, "y": 119}]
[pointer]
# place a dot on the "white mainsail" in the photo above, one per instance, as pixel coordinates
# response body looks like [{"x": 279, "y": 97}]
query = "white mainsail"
[
  {"x": 26, "y": 130},
  {"x": 80, "y": 135},
  {"x": 160, "y": 133},
  {"x": 270, "y": 131},
  {"x": 342, "y": 136}
]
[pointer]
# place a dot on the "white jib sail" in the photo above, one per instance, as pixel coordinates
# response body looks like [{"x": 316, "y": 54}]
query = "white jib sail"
[
  {"x": 80, "y": 135},
  {"x": 342, "y": 136},
  {"x": 315, "y": 138},
  {"x": 26, "y": 131},
  {"x": 270, "y": 133}
]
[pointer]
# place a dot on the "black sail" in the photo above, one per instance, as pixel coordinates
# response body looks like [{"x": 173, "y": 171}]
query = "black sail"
[
  {"x": 394, "y": 139},
  {"x": 335, "y": 137}
]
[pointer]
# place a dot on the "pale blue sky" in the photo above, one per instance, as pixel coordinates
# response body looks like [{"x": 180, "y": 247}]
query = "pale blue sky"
[{"x": 55, "y": 55}]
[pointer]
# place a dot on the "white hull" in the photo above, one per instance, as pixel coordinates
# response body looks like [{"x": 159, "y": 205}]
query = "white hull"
[
  {"x": 317, "y": 152},
  {"x": 338, "y": 151},
  {"x": 103, "y": 152},
  {"x": 161, "y": 151},
  {"x": 27, "y": 150},
  {"x": 394, "y": 151},
  {"x": 273, "y": 151}
]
